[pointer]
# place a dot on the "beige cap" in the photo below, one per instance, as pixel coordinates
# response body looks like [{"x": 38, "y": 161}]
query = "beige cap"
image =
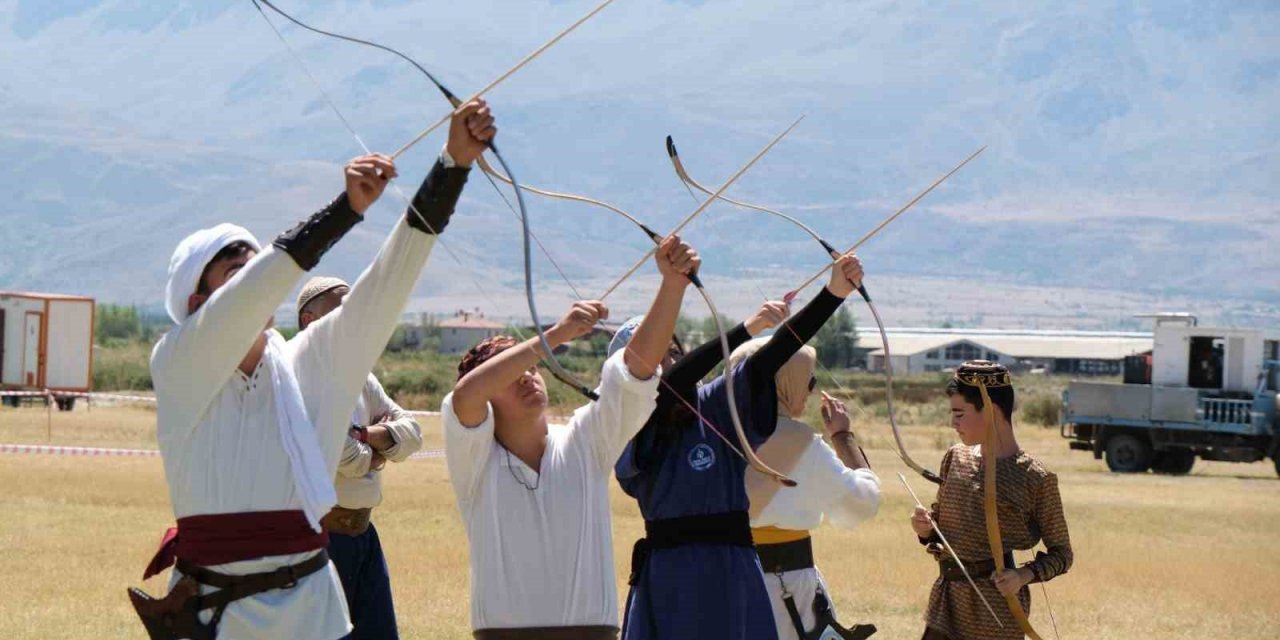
[{"x": 316, "y": 287}]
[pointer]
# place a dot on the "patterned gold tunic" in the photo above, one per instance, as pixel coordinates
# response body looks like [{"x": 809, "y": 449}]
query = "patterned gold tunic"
[{"x": 1030, "y": 510}]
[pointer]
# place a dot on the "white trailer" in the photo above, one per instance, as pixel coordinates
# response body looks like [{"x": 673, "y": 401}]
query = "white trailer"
[{"x": 46, "y": 344}]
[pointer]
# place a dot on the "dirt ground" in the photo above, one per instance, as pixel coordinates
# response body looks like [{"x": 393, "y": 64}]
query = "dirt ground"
[{"x": 1155, "y": 556}]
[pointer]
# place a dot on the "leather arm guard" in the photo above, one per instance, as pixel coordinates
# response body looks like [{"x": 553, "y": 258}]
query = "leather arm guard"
[
  {"x": 436, "y": 198},
  {"x": 311, "y": 238}
]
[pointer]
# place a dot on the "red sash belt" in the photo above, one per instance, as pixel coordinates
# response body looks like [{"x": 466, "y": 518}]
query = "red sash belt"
[{"x": 209, "y": 540}]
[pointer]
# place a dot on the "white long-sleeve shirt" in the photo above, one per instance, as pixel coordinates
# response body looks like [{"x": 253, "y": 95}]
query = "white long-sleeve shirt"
[
  {"x": 543, "y": 557},
  {"x": 358, "y": 486},
  {"x": 825, "y": 489},
  {"x": 217, "y": 427}
]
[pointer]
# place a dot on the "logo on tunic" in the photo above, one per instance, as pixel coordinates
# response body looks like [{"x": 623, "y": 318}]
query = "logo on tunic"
[{"x": 702, "y": 457}]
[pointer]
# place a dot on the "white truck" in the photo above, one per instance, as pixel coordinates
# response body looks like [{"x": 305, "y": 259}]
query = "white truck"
[
  {"x": 46, "y": 345},
  {"x": 1202, "y": 392}
]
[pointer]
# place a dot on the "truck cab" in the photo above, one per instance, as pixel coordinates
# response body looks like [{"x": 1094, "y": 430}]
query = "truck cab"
[{"x": 1202, "y": 392}]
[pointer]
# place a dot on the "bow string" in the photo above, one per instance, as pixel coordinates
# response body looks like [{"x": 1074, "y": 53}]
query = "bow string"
[{"x": 549, "y": 358}]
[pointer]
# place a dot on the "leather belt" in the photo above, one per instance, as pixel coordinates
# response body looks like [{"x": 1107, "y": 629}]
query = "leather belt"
[
  {"x": 978, "y": 569},
  {"x": 347, "y": 522}
]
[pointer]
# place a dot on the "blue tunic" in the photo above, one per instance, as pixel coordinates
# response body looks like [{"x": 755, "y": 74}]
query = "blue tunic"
[{"x": 700, "y": 590}]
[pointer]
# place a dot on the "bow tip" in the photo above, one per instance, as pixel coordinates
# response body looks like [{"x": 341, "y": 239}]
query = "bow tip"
[{"x": 671, "y": 147}]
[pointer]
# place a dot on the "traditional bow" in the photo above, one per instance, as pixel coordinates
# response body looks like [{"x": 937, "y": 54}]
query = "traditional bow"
[
  {"x": 990, "y": 449},
  {"x": 549, "y": 357},
  {"x": 688, "y": 180},
  {"x": 746, "y": 452}
]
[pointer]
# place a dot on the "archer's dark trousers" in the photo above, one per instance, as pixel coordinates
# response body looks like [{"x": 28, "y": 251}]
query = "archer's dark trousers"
[{"x": 363, "y": 570}]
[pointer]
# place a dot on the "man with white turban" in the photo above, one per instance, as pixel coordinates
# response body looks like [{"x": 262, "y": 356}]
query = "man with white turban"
[{"x": 251, "y": 427}]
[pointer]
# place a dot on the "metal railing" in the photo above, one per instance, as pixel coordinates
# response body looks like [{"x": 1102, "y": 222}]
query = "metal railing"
[{"x": 1225, "y": 411}]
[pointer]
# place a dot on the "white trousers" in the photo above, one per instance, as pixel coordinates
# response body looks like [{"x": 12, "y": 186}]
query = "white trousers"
[{"x": 803, "y": 585}]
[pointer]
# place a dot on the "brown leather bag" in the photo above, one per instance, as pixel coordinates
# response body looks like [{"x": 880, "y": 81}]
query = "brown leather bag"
[{"x": 176, "y": 616}]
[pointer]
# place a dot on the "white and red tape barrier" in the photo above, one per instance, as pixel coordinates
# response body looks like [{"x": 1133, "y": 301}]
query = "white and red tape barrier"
[
  {"x": 125, "y": 397},
  {"x": 46, "y": 449},
  {"x": 98, "y": 451}
]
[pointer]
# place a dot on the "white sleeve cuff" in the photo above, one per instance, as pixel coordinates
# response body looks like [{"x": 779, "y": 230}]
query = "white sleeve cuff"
[
  {"x": 446, "y": 159},
  {"x": 616, "y": 377}
]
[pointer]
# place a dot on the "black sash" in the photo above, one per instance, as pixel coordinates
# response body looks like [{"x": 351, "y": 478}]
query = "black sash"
[
  {"x": 786, "y": 556},
  {"x": 730, "y": 528}
]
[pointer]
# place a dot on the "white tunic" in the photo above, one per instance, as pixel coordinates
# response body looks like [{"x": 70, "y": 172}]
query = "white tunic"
[
  {"x": 544, "y": 557},
  {"x": 360, "y": 487},
  {"x": 825, "y": 488},
  {"x": 217, "y": 427}
]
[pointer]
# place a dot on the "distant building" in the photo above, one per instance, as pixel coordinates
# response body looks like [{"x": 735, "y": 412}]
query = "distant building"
[
  {"x": 466, "y": 329},
  {"x": 46, "y": 343},
  {"x": 1064, "y": 352}
]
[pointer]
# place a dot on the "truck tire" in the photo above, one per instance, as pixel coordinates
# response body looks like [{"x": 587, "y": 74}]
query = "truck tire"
[
  {"x": 1176, "y": 462},
  {"x": 1128, "y": 454}
]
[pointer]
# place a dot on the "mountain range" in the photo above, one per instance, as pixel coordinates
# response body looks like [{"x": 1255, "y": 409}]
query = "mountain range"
[{"x": 1132, "y": 158}]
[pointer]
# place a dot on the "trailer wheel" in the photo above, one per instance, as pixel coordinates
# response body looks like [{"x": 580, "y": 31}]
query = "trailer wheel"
[
  {"x": 1176, "y": 462},
  {"x": 66, "y": 404},
  {"x": 1128, "y": 454}
]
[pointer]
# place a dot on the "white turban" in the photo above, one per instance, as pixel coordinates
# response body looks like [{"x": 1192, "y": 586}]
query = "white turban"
[{"x": 190, "y": 259}]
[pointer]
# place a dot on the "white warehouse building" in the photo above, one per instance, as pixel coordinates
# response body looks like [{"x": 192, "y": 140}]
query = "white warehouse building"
[{"x": 1066, "y": 352}]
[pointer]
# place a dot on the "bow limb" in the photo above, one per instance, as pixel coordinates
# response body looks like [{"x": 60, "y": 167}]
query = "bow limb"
[
  {"x": 703, "y": 207},
  {"x": 680, "y": 170},
  {"x": 747, "y": 451},
  {"x": 572, "y": 197},
  {"x": 678, "y": 165},
  {"x": 990, "y": 449},
  {"x": 549, "y": 356}
]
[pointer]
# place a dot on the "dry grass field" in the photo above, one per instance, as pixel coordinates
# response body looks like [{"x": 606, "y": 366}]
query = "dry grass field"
[{"x": 1156, "y": 557}]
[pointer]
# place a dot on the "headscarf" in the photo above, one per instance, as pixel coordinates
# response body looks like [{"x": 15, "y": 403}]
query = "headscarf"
[
  {"x": 483, "y": 352},
  {"x": 624, "y": 334},
  {"x": 190, "y": 259},
  {"x": 792, "y": 379}
]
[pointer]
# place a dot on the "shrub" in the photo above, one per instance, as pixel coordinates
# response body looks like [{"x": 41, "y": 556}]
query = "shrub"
[{"x": 1041, "y": 409}]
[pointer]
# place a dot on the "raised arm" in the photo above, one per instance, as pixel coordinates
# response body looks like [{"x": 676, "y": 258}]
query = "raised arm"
[
  {"x": 203, "y": 350},
  {"x": 624, "y": 405},
  {"x": 675, "y": 259},
  {"x": 853, "y": 490},
  {"x": 684, "y": 375},
  {"x": 800, "y": 328},
  {"x": 191, "y": 363},
  {"x": 335, "y": 354}
]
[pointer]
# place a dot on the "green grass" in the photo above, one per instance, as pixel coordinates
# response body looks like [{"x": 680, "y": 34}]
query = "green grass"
[{"x": 420, "y": 380}]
